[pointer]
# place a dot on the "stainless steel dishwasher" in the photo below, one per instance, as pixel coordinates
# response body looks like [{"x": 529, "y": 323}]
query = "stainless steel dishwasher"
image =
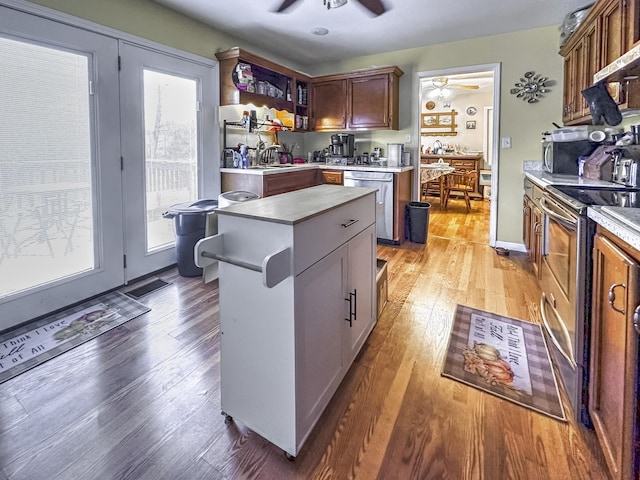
[{"x": 383, "y": 182}]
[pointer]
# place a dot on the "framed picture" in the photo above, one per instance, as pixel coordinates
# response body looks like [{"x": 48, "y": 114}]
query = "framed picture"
[
  {"x": 471, "y": 124},
  {"x": 438, "y": 123}
]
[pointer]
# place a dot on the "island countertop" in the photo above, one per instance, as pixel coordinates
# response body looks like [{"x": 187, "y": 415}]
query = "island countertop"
[{"x": 294, "y": 207}]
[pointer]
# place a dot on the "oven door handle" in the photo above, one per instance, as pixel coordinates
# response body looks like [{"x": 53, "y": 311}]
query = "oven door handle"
[
  {"x": 568, "y": 222},
  {"x": 547, "y": 327}
]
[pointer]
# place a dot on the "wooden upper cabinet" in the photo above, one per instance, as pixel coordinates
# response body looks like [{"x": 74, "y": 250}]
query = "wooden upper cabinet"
[
  {"x": 329, "y": 105},
  {"x": 612, "y": 32},
  {"x": 632, "y": 21},
  {"x": 360, "y": 100},
  {"x": 370, "y": 100},
  {"x": 263, "y": 71},
  {"x": 369, "y": 105},
  {"x": 604, "y": 36}
]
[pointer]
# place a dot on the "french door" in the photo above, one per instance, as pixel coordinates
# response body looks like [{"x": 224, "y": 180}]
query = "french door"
[
  {"x": 90, "y": 157},
  {"x": 165, "y": 102},
  {"x": 60, "y": 181}
]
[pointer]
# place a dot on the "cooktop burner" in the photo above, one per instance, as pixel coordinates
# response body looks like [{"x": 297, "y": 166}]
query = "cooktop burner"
[{"x": 609, "y": 196}]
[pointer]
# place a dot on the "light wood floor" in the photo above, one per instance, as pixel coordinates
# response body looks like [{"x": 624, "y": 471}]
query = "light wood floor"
[{"x": 143, "y": 400}]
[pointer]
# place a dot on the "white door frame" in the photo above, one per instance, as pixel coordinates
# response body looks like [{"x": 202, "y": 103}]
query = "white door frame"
[{"x": 495, "y": 68}]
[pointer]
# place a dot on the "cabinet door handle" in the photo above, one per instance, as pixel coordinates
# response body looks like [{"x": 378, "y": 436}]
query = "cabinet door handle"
[
  {"x": 612, "y": 296},
  {"x": 352, "y": 303},
  {"x": 636, "y": 319},
  {"x": 349, "y": 223},
  {"x": 355, "y": 305}
]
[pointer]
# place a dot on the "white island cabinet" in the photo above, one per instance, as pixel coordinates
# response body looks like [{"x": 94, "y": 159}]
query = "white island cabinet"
[{"x": 292, "y": 323}]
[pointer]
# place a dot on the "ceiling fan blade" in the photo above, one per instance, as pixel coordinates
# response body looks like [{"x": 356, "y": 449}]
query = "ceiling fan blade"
[
  {"x": 374, "y": 6},
  {"x": 470, "y": 87},
  {"x": 284, "y": 5}
]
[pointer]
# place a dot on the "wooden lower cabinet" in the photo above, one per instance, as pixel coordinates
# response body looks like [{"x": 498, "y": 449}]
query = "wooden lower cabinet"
[
  {"x": 613, "y": 391},
  {"x": 273, "y": 184},
  {"x": 402, "y": 188},
  {"x": 332, "y": 177},
  {"x": 532, "y": 229},
  {"x": 532, "y": 225}
]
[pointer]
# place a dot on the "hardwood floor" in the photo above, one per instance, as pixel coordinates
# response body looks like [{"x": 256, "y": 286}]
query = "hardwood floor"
[{"x": 142, "y": 401}]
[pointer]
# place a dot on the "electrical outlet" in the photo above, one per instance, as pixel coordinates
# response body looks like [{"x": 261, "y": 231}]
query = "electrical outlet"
[
  {"x": 506, "y": 142},
  {"x": 407, "y": 138}
]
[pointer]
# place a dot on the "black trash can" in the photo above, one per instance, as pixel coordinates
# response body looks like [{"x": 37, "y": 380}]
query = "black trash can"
[
  {"x": 190, "y": 220},
  {"x": 417, "y": 221}
]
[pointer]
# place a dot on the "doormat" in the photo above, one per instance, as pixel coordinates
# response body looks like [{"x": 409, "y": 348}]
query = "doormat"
[
  {"x": 35, "y": 343},
  {"x": 504, "y": 357},
  {"x": 147, "y": 288}
]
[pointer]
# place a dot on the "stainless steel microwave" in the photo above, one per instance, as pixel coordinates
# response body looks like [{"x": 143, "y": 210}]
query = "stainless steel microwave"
[{"x": 562, "y": 157}]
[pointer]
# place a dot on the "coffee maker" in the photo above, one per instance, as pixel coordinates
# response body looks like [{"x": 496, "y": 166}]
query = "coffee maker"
[{"x": 342, "y": 146}]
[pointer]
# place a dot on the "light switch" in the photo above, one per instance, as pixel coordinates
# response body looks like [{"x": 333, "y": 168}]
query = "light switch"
[{"x": 506, "y": 142}]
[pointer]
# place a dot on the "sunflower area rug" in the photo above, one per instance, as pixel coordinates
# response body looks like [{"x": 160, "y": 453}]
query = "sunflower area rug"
[
  {"x": 504, "y": 357},
  {"x": 36, "y": 342}
]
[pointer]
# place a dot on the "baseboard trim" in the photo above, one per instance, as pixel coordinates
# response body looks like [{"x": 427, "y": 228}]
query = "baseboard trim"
[{"x": 512, "y": 246}]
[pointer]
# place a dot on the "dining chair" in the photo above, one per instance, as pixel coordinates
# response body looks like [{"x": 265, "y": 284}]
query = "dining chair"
[{"x": 461, "y": 182}]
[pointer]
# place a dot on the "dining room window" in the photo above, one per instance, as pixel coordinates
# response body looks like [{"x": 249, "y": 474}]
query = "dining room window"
[{"x": 46, "y": 221}]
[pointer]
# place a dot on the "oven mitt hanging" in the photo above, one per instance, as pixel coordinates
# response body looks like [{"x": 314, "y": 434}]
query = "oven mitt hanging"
[{"x": 602, "y": 106}]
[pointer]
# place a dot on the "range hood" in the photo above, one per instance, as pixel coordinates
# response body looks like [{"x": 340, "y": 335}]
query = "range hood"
[{"x": 626, "y": 67}]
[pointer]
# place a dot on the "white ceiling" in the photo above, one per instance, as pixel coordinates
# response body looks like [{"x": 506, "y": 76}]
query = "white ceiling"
[{"x": 354, "y": 32}]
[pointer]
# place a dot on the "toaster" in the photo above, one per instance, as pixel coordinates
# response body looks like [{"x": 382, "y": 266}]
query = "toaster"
[{"x": 625, "y": 168}]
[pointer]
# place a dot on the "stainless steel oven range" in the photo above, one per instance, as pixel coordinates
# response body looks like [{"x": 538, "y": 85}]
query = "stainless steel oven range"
[{"x": 566, "y": 278}]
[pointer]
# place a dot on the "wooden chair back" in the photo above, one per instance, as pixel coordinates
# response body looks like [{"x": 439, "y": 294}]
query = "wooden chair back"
[{"x": 461, "y": 182}]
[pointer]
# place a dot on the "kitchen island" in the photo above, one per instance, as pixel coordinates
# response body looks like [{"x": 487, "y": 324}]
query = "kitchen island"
[{"x": 297, "y": 302}]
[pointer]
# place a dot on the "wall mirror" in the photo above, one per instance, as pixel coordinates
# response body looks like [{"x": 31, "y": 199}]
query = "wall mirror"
[{"x": 438, "y": 123}]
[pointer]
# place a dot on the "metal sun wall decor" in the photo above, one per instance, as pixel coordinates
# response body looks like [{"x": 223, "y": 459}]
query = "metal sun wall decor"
[{"x": 531, "y": 87}]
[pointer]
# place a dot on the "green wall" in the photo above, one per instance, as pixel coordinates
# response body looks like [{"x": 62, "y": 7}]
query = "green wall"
[{"x": 517, "y": 52}]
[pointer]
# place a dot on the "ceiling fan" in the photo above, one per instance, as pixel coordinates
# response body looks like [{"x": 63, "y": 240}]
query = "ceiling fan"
[
  {"x": 374, "y": 6},
  {"x": 441, "y": 87}
]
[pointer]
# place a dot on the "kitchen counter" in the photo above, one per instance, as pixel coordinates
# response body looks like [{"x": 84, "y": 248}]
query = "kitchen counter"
[
  {"x": 545, "y": 179},
  {"x": 296, "y": 167},
  {"x": 622, "y": 222},
  {"x": 297, "y": 206}
]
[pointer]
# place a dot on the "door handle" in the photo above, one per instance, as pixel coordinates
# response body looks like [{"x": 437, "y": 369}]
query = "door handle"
[
  {"x": 612, "y": 296},
  {"x": 636, "y": 319}
]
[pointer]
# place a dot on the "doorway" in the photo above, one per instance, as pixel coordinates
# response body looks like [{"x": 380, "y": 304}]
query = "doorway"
[{"x": 470, "y": 96}]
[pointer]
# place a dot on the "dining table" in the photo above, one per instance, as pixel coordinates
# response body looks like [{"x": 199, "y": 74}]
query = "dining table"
[{"x": 430, "y": 172}]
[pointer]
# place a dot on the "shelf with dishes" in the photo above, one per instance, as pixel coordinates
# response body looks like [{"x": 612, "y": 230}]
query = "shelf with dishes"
[{"x": 246, "y": 79}]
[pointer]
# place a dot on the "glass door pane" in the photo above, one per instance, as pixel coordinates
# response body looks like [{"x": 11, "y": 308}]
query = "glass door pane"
[
  {"x": 171, "y": 154},
  {"x": 46, "y": 193}
]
